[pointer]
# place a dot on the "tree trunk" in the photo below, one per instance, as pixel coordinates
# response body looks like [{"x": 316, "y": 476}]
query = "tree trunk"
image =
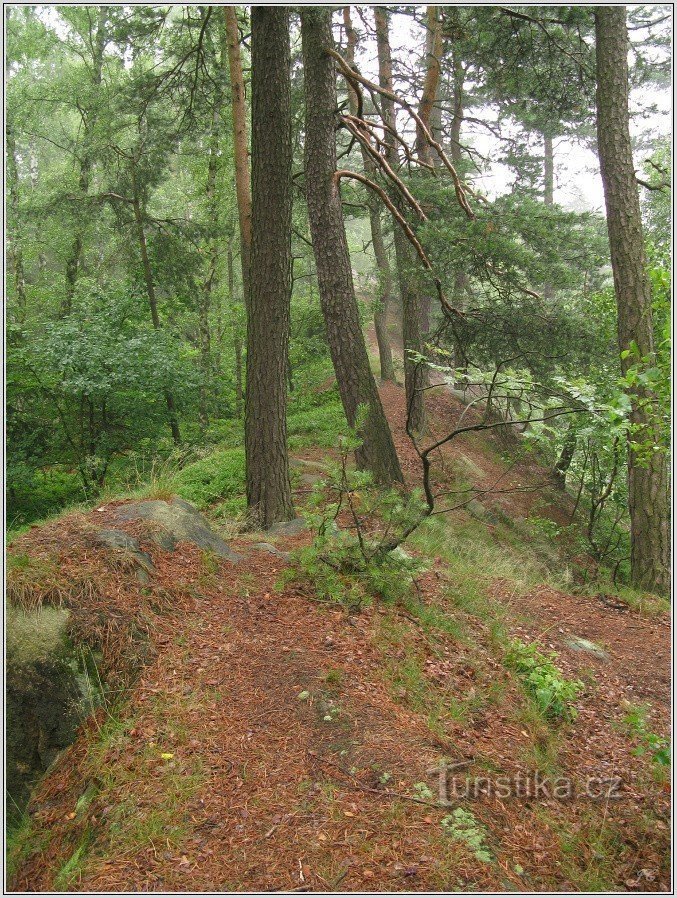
[
  {"x": 205, "y": 300},
  {"x": 426, "y": 108},
  {"x": 240, "y": 145},
  {"x": 237, "y": 339},
  {"x": 14, "y": 248},
  {"x": 383, "y": 265},
  {"x": 415, "y": 376},
  {"x": 431, "y": 81},
  {"x": 548, "y": 192},
  {"x": 337, "y": 296},
  {"x": 566, "y": 456},
  {"x": 152, "y": 300},
  {"x": 268, "y": 309},
  {"x": 647, "y": 479},
  {"x": 74, "y": 259}
]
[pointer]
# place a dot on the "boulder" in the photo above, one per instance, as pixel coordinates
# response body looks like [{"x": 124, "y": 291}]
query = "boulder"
[
  {"x": 179, "y": 522},
  {"x": 120, "y": 541},
  {"x": 289, "y": 528},
  {"x": 51, "y": 686}
]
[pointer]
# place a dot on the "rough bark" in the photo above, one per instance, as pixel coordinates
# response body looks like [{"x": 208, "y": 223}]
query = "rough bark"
[
  {"x": 268, "y": 309},
  {"x": 337, "y": 295},
  {"x": 240, "y": 144},
  {"x": 152, "y": 298},
  {"x": 647, "y": 482},
  {"x": 415, "y": 378},
  {"x": 431, "y": 81},
  {"x": 74, "y": 259},
  {"x": 385, "y": 352}
]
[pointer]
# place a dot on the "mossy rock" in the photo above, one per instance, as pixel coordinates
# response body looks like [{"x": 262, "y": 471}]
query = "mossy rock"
[{"x": 51, "y": 686}]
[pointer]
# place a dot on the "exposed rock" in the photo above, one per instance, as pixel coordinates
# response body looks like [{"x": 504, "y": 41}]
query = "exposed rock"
[
  {"x": 289, "y": 528},
  {"x": 268, "y": 547},
  {"x": 579, "y": 644},
  {"x": 51, "y": 686},
  {"x": 481, "y": 512},
  {"x": 123, "y": 542},
  {"x": 180, "y": 521}
]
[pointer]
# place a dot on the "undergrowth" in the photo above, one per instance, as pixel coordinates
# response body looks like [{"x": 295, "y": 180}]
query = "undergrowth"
[{"x": 543, "y": 681}]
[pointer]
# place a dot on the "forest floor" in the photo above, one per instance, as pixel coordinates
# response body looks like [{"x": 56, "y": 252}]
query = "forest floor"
[{"x": 276, "y": 743}]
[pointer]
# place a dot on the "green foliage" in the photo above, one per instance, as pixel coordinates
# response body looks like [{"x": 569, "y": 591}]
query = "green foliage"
[
  {"x": 217, "y": 480},
  {"x": 543, "y": 681},
  {"x": 353, "y": 564},
  {"x": 657, "y": 747}
]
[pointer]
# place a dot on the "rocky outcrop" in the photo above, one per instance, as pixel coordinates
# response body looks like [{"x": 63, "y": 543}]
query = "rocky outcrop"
[
  {"x": 51, "y": 686},
  {"x": 179, "y": 521}
]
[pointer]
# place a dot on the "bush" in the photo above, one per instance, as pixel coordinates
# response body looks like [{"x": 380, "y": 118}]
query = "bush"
[
  {"x": 218, "y": 478},
  {"x": 543, "y": 680}
]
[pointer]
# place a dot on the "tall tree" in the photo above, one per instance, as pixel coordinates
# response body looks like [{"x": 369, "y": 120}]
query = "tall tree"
[
  {"x": 88, "y": 112},
  {"x": 414, "y": 373},
  {"x": 647, "y": 469},
  {"x": 268, "y": 486},
  {"x": 241, "y": 144},
  {"x": 330, "y": 247},
  {"x": 378, "y": 244}
]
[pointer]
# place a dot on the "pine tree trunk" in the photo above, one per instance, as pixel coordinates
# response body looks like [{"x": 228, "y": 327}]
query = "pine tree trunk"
[
  {"x": 337, "y": 296},
  {"x": 647, "y": 482},
  {"x": 240, "y": 145},
  {"x": 268, "y": 309},
  {"x": 385, "y": 352},
  {"x": 415, "y": 375}
]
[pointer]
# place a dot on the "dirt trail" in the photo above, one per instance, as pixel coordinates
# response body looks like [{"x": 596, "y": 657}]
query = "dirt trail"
[{"x": 275, "y": 743}]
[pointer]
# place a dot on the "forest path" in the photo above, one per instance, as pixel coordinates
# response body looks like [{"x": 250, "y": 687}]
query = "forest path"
[{"x": 275, "y": 743}]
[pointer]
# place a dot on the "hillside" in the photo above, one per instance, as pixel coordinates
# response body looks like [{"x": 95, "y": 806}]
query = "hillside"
[{"x": 255, "y": 738}]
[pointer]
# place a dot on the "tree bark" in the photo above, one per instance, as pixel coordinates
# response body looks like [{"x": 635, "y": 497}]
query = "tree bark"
[
  {"x": 431, "y": 81},
  {"x": 385, "y": 352},
  {"x": 426, "y": 108},
  {"x": 268, "y": 309},
  {"x": 240, "y": 145},
  {"x": 647, "y": 479},
  {"x": 415, "y": 378},
  {"x": 74, "y": 258},
  {"x": 337, "y": 296}
]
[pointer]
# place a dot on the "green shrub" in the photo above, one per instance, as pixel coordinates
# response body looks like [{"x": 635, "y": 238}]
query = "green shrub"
[
  {"x": 218, "y": 478},
  {"x": 354, "y": 564},
  {"x": 658, "y": 747},
  {"x": 543, "y": 680}
]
